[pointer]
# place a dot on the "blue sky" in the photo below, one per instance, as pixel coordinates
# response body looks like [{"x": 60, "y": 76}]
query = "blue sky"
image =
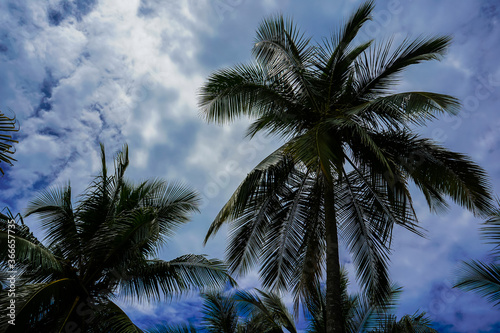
[{"x": 80, "y": 72}]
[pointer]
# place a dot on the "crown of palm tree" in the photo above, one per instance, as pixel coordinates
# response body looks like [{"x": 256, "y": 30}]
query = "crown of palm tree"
[{"x": 349, "y": 155}]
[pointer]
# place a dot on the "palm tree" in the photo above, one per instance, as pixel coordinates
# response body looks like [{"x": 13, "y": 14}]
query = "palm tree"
[
  {"x": 244, "y": 311},
  {"x": 483, "y": 277},
  {"x": 347, "y": 160},
  {"x": 104, "y": 248},
  {"x": 265, "y": 312},
  {"x": 239, "y": 312},
  {"x": 417, "y": 322},
  {"x": 6, "y": 141},
  {"x": 360, "y": 314},
  {"x": 220, "y": 314}
]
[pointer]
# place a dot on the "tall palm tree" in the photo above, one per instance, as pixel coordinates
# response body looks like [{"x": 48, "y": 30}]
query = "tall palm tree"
[
  {"x": 6, "y": 141},
  {"x": 104, "y": 248},
  {"x": 348, "y": 156},
  {"x": 484, "y": 277}
]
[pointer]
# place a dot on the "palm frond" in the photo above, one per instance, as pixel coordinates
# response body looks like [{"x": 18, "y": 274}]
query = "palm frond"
[
  {"x": 251, "y": 209},
  {"x": 244, "y": 90},
  {"x": 266, "y": 307},
  {"x": 285, "y": 52},
  {"x": 365, "y": 238},
  {"x": 54, "y": 208},
  {"x": 482, "y": 278},
  {"x": 315, "y": 304},
  {"x": 219, "y": 314},
  {"x": 368, "y": 315},
  {"x": 311, "y": 258},
  {"x": 397, "y": 111},
  {"x": 416, "y": 323},
  {"x": 236, "y": 204},
  {"x": 281, "y": 251},
  {"x": 439, "y": 171},
  {"x": 491, "y": 230},
  {"x": 111, "y": 318},
  {"x": 28, "y": 253},
  {"x": 39, "y": 306},
  {"x": 351, "y": 28},
  {"x": 336, "y": 56},
  {"x": 377, "y": 71},
  {"x": 155, "y": 279}
]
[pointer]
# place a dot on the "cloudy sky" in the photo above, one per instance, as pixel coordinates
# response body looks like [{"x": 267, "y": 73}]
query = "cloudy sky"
[{"x": 80, "y": 72}]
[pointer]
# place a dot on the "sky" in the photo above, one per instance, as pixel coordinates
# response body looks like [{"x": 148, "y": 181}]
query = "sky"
[{"x": 80, "y": 72}]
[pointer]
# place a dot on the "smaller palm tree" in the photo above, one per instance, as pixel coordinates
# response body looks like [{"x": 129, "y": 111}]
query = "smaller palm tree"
[
  {"x": 261, "y": 311},
  {"x": 220, "y": 314},
  {"x": 239, "y": 312},
  {"x": 416, "y": 323},
  {"x": 104, "y": 248},
  {"x": 483, "y": 277},
  {"x": 361, "y": 314},
  {"x": 265, "y": 312}
]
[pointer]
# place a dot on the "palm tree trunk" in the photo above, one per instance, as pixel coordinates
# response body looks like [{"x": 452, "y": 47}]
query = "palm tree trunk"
[{"x": 334, "y": 318}]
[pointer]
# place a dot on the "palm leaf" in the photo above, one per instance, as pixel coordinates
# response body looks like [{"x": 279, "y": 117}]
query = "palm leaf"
[
  {"x": 154, "y": 279},
  {"x": 219, "y": 314},
  {"x": 378, "y": 69},
  {"x": 482, "y": 278},
  {"x": 438, "y": 171},
  {"x": 38, "y": 306},
  {"x": 111, "y": 318},
  {"x": 491, "y": 231},
  {"x": 285, "y": 53},
  {"x": 399, "y": 110},
  {"x": 270, "y": 306},
  {"x": 29, "y": 253},
  {"x": 55, "y": 210},
  {"x": 242, "y": 91}
]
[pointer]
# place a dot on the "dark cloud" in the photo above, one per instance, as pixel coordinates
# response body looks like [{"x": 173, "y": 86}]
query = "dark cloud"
[
  {"x": 84, "y": 7},
  {"x": 48, "y": 84},
  {"x": 55, "y": 17},
  {"x": 65, "y": 8}
]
